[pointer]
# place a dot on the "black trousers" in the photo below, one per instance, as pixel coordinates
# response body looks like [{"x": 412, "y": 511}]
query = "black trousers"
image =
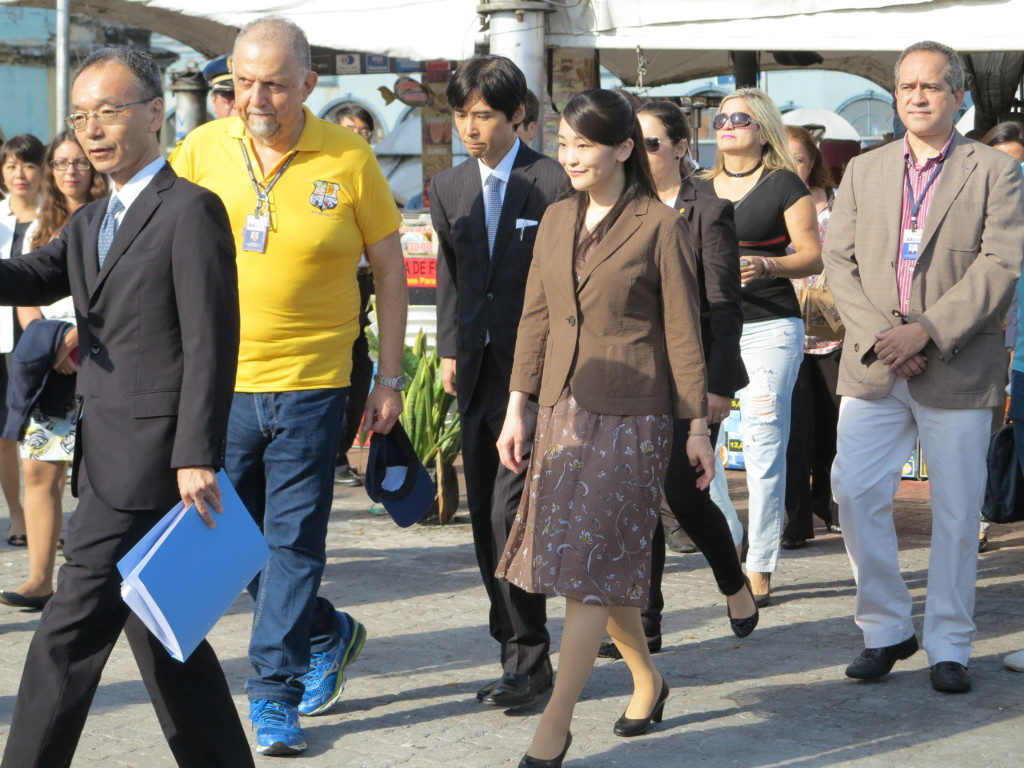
[
  {"x": 76, "y": 633},
  {"x": 517, "y": 618},
  {"x": 362, "y": 373},
  {"x": 703, "y": 522},
  {"x": 812, "y": 446}
]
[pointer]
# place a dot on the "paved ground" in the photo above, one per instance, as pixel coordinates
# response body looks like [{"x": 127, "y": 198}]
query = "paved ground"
[{"x": 777, "y": 698}]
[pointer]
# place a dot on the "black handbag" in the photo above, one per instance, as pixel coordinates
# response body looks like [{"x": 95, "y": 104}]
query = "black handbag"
[{"x": 1004, "y": 489}]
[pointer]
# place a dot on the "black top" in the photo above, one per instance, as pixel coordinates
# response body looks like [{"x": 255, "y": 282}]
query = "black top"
[
  {"x": 718, "y": 276},
  {"x": 19, "y": 237},
  {"x": 761, "y": 228}
]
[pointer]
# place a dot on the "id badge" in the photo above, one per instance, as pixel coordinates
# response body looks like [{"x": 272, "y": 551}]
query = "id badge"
[
  {"x": 254, "y": 236},
  {"x": 911, "y": 244}
]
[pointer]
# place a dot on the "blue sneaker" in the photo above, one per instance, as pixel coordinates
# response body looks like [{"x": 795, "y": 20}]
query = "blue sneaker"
[
  {"x": 325, "y": 679},
  {"x": 277, "y": 728}
]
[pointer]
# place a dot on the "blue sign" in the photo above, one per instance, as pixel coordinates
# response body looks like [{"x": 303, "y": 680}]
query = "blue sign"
[
  {"x": 376, "y": 62},
  {"x": 408, "y": 65}
]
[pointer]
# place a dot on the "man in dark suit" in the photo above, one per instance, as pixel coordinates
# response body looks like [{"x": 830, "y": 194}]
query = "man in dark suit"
[
  {"x": 485, "y": 212},
  {"x": 152, "y": 272}
]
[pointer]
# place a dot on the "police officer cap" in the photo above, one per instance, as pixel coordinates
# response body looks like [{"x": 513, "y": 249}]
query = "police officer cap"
[{"x": 218, "y": 74}]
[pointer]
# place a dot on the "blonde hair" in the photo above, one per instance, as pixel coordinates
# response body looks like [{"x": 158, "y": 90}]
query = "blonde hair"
[{"x": 775, "y": 152}]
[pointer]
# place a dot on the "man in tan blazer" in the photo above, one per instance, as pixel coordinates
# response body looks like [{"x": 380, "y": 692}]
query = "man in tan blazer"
[{"x": 923, "y": 252}]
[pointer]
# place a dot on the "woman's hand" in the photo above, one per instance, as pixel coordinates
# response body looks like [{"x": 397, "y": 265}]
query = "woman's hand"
[
  {"x": 513, "y": 439},
  {"x": 751, "y": 268},
  {"x": 719, "y": 407},
  {"x": 700, "y": 453},
  {"x": 63, "y": 362}
]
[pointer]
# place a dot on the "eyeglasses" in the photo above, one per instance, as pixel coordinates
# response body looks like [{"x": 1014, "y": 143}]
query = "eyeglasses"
[
  {"x": 80, "y": 164},
  {"x": 736, "y": 120},
  {"x": 109, "y": 115}
]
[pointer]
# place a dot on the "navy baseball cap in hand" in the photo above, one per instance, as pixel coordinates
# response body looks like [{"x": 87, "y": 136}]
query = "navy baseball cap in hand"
[{"x": 396, "y": 478}]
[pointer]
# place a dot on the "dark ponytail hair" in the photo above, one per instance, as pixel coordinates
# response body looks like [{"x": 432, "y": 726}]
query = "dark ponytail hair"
[
  {"x": 677, "y": 126},
  {"x": 609, "y": 118}
]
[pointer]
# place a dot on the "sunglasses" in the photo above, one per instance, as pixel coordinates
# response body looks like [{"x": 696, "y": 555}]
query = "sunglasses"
[
  {"x": 736, "y": 120},
  {"x": 652, "y": 144}
]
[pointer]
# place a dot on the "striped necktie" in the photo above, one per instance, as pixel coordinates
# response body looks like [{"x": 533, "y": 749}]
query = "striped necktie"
[
  {"x": 108, "y": 228},
  {"x": 493, "y": 185}
]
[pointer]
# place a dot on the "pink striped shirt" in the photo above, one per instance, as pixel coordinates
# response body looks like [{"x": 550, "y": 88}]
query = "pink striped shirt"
[{"x": 918, "y": 176}]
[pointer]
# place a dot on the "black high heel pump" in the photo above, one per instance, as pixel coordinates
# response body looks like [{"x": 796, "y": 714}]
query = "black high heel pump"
[
  {"x": 555, "y": 762},
  {"x": 625, "y": 726}
]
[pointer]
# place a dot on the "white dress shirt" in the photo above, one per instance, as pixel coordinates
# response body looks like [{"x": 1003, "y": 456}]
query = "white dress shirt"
[{"x": 132, "y": 188}]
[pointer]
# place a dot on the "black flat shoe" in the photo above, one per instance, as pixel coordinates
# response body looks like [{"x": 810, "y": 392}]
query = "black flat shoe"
[
  {"x": 625, "y": 726},
  {"x": 610, "y": 651},
  {"x": 555, "y": 762},
  {"x": 743, "y": 627},
  {"x": 950, "y": 677},
  {"x": 878, "y": 662},
  {"x": 792, "y": 543},
  {"x": 18, "y": 540},
  {"x": 18, "y": 600}
]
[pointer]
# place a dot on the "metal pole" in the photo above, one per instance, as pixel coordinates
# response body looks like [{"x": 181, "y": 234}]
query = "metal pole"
[
  {"x": 516, "y": 30},
  {"x": 61, "y": 62},
  {"x": 189, "y": 89}
]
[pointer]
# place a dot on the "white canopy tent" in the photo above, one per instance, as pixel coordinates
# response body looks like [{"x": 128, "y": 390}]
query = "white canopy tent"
[{"x": 681, "y": 40}]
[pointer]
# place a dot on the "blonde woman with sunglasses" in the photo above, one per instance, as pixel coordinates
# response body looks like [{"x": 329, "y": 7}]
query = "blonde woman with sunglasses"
[{"x": 773, "y": 210}]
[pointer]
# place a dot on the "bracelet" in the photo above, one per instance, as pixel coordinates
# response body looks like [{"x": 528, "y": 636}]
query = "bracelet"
[
  {"x": 705, "y": 433},
  {"x": 769, "y": 266}
]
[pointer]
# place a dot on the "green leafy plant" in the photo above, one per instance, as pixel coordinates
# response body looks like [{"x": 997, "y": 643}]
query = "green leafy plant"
[{"x": 432, "y": 423}]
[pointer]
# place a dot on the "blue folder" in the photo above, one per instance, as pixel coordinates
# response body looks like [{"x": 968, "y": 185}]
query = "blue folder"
[{"x": 182, "y": 576}]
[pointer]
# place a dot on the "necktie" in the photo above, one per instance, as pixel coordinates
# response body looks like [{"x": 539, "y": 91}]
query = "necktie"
[
  {"x": 108, "y": 228},
  {"x": 493, "y": 185}
]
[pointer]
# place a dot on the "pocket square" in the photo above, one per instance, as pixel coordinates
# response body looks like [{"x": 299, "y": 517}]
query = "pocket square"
[{"x": 524, "y": 223}]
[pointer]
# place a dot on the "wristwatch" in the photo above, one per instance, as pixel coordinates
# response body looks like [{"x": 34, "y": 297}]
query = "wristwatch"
[{"x": 397, "y": 383}]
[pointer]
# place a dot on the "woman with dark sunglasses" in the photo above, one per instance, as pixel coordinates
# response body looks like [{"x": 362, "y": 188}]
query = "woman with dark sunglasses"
[
  {"x": 755, "y": 170},
  {"x": 666, "y": 133}
]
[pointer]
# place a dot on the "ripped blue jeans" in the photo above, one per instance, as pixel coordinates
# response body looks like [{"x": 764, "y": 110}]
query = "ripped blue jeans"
[{"x": 772, "y": 351}]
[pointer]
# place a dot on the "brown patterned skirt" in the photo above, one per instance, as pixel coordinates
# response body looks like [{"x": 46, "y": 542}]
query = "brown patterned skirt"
[{"x": 586, "y": 520}]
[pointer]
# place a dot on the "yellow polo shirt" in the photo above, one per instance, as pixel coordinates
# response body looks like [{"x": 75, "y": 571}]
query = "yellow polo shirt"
[{"x": 300, "y": 300}]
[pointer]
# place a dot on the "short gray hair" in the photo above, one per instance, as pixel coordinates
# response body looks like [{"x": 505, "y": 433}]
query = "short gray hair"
[
  {"x": 140, "y": 63},
  {"x": 956, "y": 76},
  {"x": 279, "y": 30}
]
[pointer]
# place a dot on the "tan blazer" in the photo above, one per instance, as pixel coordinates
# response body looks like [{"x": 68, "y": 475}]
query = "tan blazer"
[
  {"x": 970, "y": 258},
  {"x": 626, "y": 337}
]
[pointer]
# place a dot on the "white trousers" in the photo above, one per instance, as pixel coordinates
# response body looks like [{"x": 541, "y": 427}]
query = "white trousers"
[{"x": 874, "y": 440}]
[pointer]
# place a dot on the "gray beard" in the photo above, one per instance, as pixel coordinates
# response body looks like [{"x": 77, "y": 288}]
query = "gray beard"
[{"x": 262, "y": 126}]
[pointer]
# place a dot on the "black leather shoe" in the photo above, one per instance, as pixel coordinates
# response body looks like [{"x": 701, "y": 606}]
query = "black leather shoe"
[
  {"x": 611, "y": 651},
  {"x": 677, "y": 540},
  {"x": 625, "y": 726},
  {"x": 950, "y": 677},
  {"x": 878, "y": 662},
  {"x": 555, "y": 762},
  {"x": 18, "y": 600},
  {"x": 788, "y": 542},
  {"x": 482, "y": 693},
  {"x": 519, "y": 690}
]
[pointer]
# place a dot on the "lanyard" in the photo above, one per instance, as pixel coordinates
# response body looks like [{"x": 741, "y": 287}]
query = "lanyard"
[
  {"x": 263, "y": 191},
  {"x": 915, "y": 203}
]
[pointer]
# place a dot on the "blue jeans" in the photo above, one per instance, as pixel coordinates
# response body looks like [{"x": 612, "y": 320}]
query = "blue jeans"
[
  {"x": 772, "y": 351},
  {"x": 280, "y": 458}
]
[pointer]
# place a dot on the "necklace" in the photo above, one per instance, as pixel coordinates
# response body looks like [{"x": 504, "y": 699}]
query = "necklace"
[{"x": 741, "y": 174}]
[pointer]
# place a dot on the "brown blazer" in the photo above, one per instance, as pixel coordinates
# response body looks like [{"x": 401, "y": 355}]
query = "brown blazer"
[
  {"x": 625, "y": 337},
  {"x": 969, "y": 262}
]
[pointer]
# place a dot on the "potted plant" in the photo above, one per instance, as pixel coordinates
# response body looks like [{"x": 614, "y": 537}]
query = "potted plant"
[{"x": 432, "y": 425}]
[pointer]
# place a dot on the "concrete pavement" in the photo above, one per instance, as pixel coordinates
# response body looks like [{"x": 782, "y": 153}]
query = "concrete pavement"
[{"x": 777, "y": 698}]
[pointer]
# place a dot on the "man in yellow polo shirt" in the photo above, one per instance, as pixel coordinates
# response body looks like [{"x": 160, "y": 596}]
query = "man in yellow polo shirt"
[{"x": 305, "y": 198}]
